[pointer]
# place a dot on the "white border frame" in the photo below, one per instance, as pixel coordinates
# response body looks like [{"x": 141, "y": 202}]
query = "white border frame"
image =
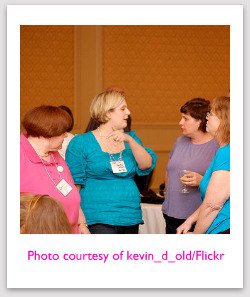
[{"x": 22, "y": 273}]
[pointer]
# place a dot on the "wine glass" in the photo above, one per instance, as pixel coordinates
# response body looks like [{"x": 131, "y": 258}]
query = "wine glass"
[{"x": 184, "y": 188}]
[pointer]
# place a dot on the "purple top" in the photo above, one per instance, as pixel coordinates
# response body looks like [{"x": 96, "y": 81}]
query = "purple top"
[{"x": 192, "y": 157}]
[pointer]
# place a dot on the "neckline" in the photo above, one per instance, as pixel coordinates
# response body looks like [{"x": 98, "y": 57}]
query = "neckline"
[
  {"x": 99, "y": 146},
  {"x": 201, "y": 143}
]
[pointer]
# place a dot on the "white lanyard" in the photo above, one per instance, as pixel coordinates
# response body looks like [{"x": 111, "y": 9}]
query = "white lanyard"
[
  {"x": 63, "y": 187},
  {"x": 48, "y": 172},
  {"x": 118, "y": 166},
  {"x": 111, "y": 156}
]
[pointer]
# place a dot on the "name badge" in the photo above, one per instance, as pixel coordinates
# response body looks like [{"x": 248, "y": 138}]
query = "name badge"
[
  {"x": 64, "y": 187},
  {"x": 118, "y": 166}
]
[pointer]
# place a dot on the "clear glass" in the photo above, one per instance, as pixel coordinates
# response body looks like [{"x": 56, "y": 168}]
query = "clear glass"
[{"x": 184, "y": 188}]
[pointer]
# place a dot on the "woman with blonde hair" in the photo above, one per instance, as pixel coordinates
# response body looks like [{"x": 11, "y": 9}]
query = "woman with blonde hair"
[
  {"x": 213, "y": 216},
  {"x": 41, "y": 214},
  {"x": 103, "y": 163}
]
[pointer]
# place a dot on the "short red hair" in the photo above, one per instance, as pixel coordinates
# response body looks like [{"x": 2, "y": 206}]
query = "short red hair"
[{"x": 46, "y": 121}]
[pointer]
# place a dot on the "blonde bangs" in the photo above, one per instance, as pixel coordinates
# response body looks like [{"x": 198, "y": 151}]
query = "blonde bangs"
[{"x": 103, "y": 103}]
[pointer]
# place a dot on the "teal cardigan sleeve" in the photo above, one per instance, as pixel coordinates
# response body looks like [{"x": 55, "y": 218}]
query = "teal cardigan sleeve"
[
  {"x": 149, "y": 150},
  {"x": 76, "y": 160}
]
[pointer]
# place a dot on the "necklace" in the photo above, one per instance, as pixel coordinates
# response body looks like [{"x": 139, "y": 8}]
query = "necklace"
[
  {"x": 102, "y": 136},
  {"x": 44, "y": 156},
  {"x": 107, "y": 140}
]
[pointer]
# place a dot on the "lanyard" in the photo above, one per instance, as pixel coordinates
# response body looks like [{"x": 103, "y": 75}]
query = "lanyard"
[
  {"x": 111, "y": 156},
  {"x": 48, "y": 172}
]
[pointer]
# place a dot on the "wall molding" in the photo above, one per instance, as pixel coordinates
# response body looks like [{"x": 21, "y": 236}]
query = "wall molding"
[{"x": 88, "y": 72}]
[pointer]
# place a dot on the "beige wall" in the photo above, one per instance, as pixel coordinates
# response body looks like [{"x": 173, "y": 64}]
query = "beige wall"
[{"x": 159, "y": 67}]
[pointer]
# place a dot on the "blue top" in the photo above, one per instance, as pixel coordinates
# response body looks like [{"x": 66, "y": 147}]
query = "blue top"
[
  {"x": 106, "y": 197},
  {"x": 189, "y": 156},
  {"x": 221, "y": 161}
]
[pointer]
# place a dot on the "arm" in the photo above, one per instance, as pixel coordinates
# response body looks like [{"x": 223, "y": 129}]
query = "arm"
[
  {"x": 217, "y": 193},
  {"x": 186, "y": 226},
  {"x": 76, "y": 161},
  {"x": 78, "y": 187},
  {"x": 142, "y": 157},
  {"x": 82, "y": 223}
]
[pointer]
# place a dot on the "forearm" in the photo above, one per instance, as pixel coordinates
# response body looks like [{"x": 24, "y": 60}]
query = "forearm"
[
  {"x": 81, "y": 218},
  {"x": 218, "y": 191},
  {"x": 206, "y": 216},
  {"x": 142, "y": 157},
  {"x": 78, "y": 187},
  {"x": 187, "y": 225},
  {"x": 192, "y": 219},
  {"x": 83, "y": 227}
]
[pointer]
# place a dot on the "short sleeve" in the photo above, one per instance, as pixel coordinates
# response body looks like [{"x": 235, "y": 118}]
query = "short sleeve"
[
  {"x": 222, "y": 159},
  {"x": 150, "y": 151},
  {"x": 76, "y": 160}
]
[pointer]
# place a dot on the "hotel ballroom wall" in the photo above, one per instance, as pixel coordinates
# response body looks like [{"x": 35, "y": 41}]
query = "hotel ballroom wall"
[{"x": 159, "y": 67}]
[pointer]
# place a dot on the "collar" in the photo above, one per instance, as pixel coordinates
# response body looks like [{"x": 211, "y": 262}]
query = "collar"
[{"x": 31, "y": 153}]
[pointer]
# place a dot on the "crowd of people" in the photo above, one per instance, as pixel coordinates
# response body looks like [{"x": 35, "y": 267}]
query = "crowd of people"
[{"x": 91, "y": 183}]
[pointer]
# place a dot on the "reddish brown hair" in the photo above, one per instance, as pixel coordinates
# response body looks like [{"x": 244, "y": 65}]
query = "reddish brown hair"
[
  {"x": 46, "y": 121},
  {"x": 220, "y": 106},
  {"x": 42, "y": 214},
  {"x": 69, "y": 111}
]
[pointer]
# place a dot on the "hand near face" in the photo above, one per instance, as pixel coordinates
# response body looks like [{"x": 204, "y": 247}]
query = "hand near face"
[
  {"x": 119, "y": 136},
  {"x": 191, "y": 179}
]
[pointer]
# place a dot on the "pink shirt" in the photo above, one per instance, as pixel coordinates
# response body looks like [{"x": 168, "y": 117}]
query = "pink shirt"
[{"x": 34, "y": 179}]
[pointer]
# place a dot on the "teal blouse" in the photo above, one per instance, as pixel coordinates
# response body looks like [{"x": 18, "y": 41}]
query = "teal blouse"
[
  {"x": 106, "y": 197},
  {"x": 221, "y": 161}
]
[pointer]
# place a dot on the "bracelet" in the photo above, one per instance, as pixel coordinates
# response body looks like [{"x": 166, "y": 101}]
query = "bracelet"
[{"x": 83, "y": 225}]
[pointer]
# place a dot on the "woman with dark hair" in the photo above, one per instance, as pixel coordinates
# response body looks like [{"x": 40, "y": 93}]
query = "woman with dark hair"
[
  {"x": 193, "y": 152},
  {"x": 213, "y": 215},
  {"x": 42, "y": 169}
]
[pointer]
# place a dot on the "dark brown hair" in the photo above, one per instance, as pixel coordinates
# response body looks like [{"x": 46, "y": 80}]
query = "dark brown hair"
[
  {"x": 66, "y": 108},
  {"x": 220, "y": 106},
  {"x": 197, "y": 108},
  {"x": 42, "y": 214},
  {"x": 92, "y": 125},
  {"x": 46, "y": 121}
]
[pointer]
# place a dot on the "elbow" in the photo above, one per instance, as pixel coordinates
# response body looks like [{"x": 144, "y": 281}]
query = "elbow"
[
  {"x": 146, "y": 165},
  {"x": 213, "y": 207}
]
